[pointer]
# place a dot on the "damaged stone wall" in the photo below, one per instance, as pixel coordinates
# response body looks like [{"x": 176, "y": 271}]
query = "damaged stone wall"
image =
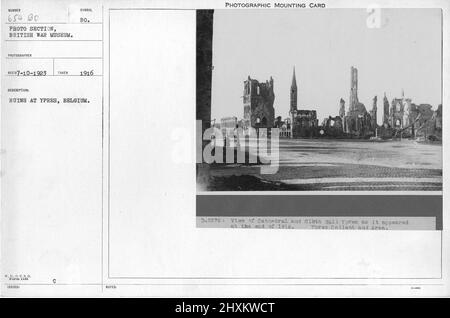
[
  {"x": 358, "y": 121},
  {"x": 258, "y": 103},
  {"x": 305, "y": 124}
]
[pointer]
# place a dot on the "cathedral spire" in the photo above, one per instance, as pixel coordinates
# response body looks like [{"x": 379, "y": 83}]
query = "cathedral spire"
[
  {"x": 293, "y": 107},
  {"x": 294, "y": 80}
]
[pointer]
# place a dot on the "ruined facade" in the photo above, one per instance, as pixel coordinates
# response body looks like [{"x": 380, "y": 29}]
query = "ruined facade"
[
  {"x": 420, "y": 120},
  {"x": 258, "y": 104},
  {"x": 333, "y": 126},
  {"x": 304, "y": 123},
  {"x": 408, "y": 120},
  {"x": 397, "y": 118}
]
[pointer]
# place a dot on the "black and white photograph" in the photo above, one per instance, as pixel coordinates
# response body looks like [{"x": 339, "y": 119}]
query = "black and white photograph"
[
  {"x": 319, "y": 100},
  {"x": 252, "y": 150}
]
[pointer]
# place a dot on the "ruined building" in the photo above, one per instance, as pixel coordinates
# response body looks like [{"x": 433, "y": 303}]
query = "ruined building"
[
  {"x": 278, "y": 123},
  {"x": 438, "y": 124},
  {"x": 333, "y": 126},
  {"x": 397, "y": 116},
  {"x": 373, "y": 114},
  {"x": 406, "y": 119},
  {"x": 421, "y": 120},
  {"x": 342, "y": 108},
  {"x": 353, "y": 101},
  {"x": 358, "y": 121},
  {"x": 385, "y": 112},
  {"x": 258, "y": 104},
  {"x": 304, "y": 123}
]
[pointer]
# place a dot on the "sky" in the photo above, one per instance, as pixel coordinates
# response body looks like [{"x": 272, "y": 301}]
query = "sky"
[{"x": 403, "y": 53}]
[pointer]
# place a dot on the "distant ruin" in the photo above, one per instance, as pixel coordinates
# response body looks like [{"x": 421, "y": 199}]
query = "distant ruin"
[{"x": 258, "y": 104}]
